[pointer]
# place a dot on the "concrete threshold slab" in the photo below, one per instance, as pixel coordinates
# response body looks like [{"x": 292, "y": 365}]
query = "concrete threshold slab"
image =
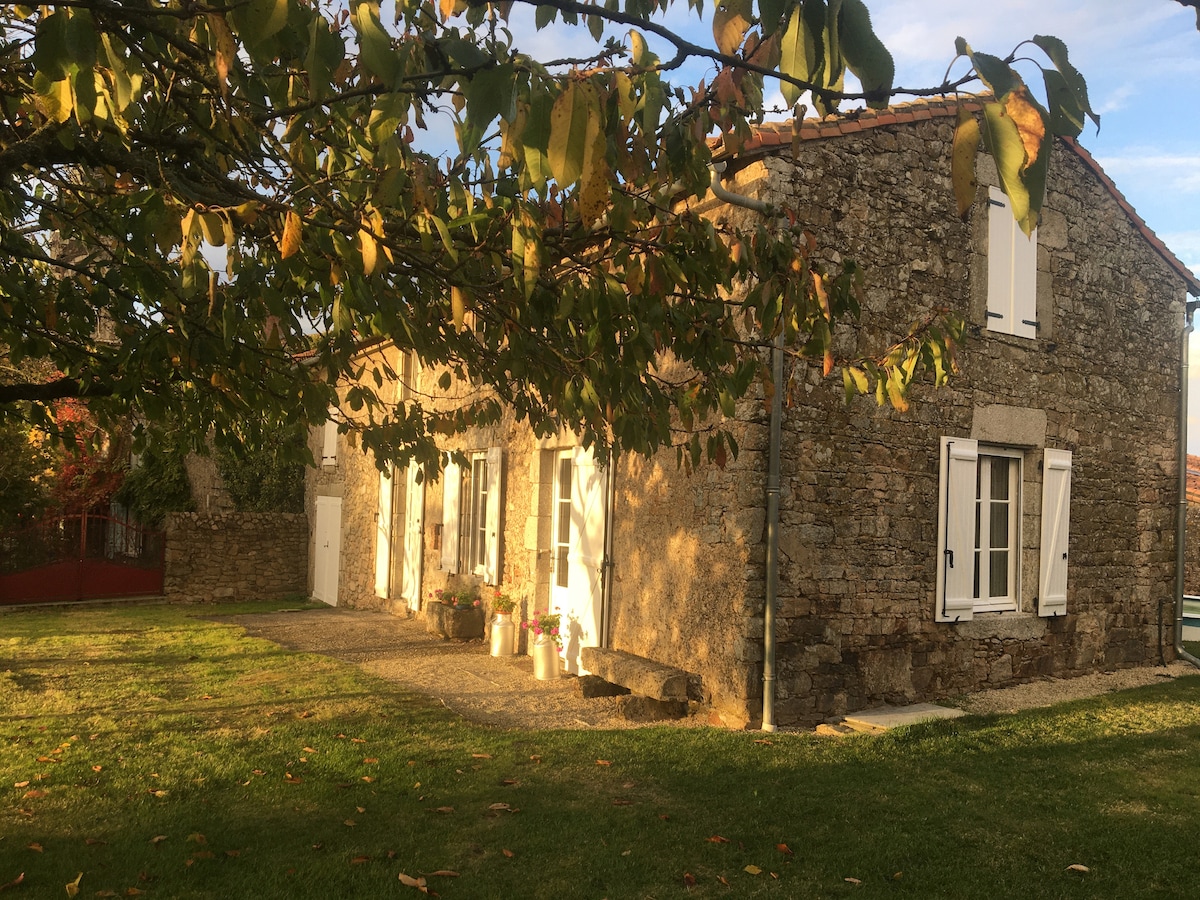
[{"x": 882, "y": 718}]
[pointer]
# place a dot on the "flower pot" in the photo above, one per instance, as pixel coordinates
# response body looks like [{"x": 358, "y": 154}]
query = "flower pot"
[
  {"x": 545, "y": 659},
  {"x": 503, "y": 632},
  {"x": 455, "y": 624}
]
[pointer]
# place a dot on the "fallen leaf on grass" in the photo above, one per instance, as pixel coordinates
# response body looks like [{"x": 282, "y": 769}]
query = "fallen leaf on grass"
[
  {"x": 158, "y": 839},
  {"x": 784, "y": 849},
  {"x": 852, "y": 880},
  {"x": 97, "y": 768},
  {"x": 292, "y": 779},
  {"x": 509, "y": 781},
  {"x": 13, "y": 883},
  {"x": 481, "y": 756},
  {"x": 73, "y": 887},
  {"x": 307, "y": 750},
  {"x": 764, "y": 741},
  {"x": 717, "y": 839},
  {"x": 501, "y": 806},
  {"x": 1076, "y": 867},
  {"x": 368, "y": 778},
  {"x": 443, "y": 809},
  {"x": 445, "y": 873},
  {"x": 48, "y": 759},
  {"x": 536, "y": 758},
  {"x": 621, "y": 801},
  {"x": 752, "y": 869},
  {"x": 361, "y": 809},
  {"x": 106, "y": 893},
  {"x": 508, "y": 853},
  {"x": 133, "y": 892},
  {"x": 370, "y": 760},
  {"x": 203, "y": 854},
  {"x": 723, "y": 880},
  {"x": 35, "y": 794},
  {"x": 36, "y": 847},
  {"x": 159, "y": 794},
  {"x": 233, "y": 853},
  {"x": 689, "y": 880},
  {"x": 360, "y": 859},
  {"x": 418, "y": 883},
  {"x": 358, "y": 740},
  {"x": 257, "y": 772},
  {"x": 349, "y": 823},
  {"x": 197, "y": 838},
  {"x": 306, "y": 715},
  {"x": 603, "y": 762},
  {"x": 94, "y": 842},
  {"x": 21, "y": 784}
]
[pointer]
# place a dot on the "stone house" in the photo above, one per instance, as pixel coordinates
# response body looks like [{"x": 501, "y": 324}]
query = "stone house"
[{"x": 1019, "y": 523}]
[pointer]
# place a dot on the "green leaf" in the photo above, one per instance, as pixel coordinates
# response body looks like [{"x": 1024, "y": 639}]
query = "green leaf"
[
  {"x": 50, "y": 57},
  {"x": 1066, "y": 117},
  {"x": 1057, "y": 51},
  {"x": 994, "y": 72},
  {"x": 489, "y": 93},
  {"x": 265, "y": 19},
  {"x": 544, "y": 16},
  {"x": 865, "y": 54},
  {"x": 798, "y": 53},
  {"x": 375, "y": 44}
]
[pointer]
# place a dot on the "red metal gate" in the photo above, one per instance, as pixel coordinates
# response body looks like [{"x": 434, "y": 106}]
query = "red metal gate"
[{"x": 81, "y": 557}]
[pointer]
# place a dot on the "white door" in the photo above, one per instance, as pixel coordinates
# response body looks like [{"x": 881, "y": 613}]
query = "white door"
[
  {"x": 328, "y": 549},
  {"x": 383, "y": 536},
  {"x": 578, "y": 553},
  {"x": 414, "y": 539}
]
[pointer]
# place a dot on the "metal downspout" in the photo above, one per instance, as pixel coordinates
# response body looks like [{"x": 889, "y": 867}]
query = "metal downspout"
[
  {"x": 773, "y": 476},
  {"x": 772, "y": 560},
  {"x": 606, "y": 574},
  {"x": 1181, "y": 514}
]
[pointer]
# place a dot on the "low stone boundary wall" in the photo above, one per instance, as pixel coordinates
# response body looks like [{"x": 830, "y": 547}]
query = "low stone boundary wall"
[{"x": 242, "y": 556}]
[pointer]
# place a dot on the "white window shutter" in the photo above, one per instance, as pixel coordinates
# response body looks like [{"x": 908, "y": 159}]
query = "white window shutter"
[
  {"x": 1012, "y": 271},
  {"x": 383, "y": 535},
  {"x": 956, "y": 531},
  {"x": 451, "y": 510},
  {"x": 495, "y": 503},
  {"x": 1056, "y": 518},
  {"x": 329, "y": 442}
]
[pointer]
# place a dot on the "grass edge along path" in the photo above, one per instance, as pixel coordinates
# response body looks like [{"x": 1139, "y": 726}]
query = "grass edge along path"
[{"x": 160, "y": 754}]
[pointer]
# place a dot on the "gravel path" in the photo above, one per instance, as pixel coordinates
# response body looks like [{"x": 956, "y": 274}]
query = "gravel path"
[{"x": 504, "y": 692}]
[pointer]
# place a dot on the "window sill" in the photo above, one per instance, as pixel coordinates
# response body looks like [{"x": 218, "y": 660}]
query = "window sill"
[{"x": 1012, "y": 625}]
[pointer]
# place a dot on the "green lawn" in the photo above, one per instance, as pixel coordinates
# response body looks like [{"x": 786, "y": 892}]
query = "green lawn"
[{"x": 154, "y": 751}]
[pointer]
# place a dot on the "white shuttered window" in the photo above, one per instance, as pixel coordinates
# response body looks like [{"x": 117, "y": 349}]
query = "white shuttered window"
[
  {"x": 1056, "y": 518},
  {"x": 1012, "y": 271}
]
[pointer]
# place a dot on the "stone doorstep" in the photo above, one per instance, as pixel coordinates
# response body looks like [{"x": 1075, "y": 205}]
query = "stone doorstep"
[
  {"x": 642, "y": 676},
  {"x": 883, "y": 718}
]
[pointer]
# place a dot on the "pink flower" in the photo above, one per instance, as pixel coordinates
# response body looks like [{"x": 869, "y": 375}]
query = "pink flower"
[{"x": 554, "y": 631}]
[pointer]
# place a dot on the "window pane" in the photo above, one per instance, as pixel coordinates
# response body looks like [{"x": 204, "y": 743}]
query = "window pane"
[
  {"x": 560, "y": 568},
  {"x": 998, "y": 539},
  {"x": 1000, "y": 477},
  {"x": 999, "y": 574}
]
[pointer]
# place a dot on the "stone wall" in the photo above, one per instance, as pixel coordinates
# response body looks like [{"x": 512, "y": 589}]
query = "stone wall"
[
  {"x": 235, "y": 556},
  {"x": 861, "y": 483}
]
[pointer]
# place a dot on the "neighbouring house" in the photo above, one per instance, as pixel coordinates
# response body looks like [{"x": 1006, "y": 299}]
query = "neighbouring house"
[{"x": 1016, "y": 524}]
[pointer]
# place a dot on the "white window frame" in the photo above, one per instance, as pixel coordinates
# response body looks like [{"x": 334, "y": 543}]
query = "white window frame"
[
  {"x": 1012, "y": 271},
  {"x": 1012, "y": 600},
  {"x": 962, "y": 522},
  {"x": 1056, "y": 524},
  {"x": 482, "y": 505}
]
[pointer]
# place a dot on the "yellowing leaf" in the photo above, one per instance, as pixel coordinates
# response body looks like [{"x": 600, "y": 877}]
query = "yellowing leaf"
[
  {"x": 717, "y": 839},
  {"x": 962, "y": 160},
  {"x": 852, "y": 880},
  {"x": 1076, "y": 867},
  {"x": 752, "y": 869},
  {"x": 445, "y": 873},
  {"x": 36, "y": 847},
  {"x": 290, "y": 242},
  {"x": 508, "y": 853},
  {"x": 731, "y": 21},
  {"x": 1028, "y": 119},
  {"x": 226, "y": 49},
  {"x": 73, "y": 887},
  {"x": 197, "y": 838},
  {"x": 575, "y": 113},
  {"x": 481, "y": 756},
  {"x": 411, "y": 882},
  {"x": 158, "y": 839}
]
